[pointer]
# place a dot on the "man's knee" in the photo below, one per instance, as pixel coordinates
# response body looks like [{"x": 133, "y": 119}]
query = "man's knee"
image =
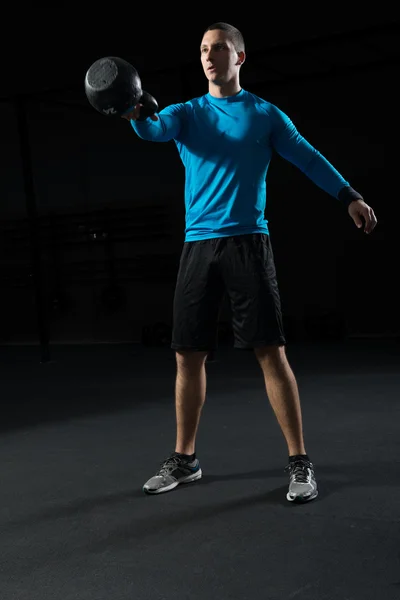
[
  {"x": 273, "y": 354},
  {"x": 190, "y": 360}
]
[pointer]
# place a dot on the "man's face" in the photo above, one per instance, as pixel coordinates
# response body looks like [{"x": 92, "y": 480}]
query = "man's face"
[{"x": 219, "y": 58}]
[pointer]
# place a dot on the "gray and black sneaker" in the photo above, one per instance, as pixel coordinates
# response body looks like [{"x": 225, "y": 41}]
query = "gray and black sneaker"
[
  {"x": 174, "y": 470},
  {"x": 302, "y": 485}
]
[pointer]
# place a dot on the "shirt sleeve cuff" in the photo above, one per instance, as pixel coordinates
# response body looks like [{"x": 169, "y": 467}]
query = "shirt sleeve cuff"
[{"x": 347, "y": 195}]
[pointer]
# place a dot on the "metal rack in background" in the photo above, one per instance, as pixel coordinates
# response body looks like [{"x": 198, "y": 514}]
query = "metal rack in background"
[{"x": 84, "y": 249}]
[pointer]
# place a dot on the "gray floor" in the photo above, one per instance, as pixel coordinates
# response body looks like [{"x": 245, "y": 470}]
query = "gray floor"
[{"x": 80, "y": 435}]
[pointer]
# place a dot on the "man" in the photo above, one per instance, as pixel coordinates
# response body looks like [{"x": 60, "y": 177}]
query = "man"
[{"x": 225, "y": 140}]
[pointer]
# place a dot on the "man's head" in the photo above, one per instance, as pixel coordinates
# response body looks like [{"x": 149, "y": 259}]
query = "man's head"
[{"x": 222, "y": 53}]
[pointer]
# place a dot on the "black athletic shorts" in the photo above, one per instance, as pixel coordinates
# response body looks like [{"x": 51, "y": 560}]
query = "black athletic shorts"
[{"x": 242, "y": 267}]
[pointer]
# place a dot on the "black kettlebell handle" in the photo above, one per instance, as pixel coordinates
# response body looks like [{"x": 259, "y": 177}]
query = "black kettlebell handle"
[{"x": 149, "y": 106}]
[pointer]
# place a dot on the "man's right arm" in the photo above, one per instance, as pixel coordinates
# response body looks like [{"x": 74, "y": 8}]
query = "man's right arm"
[{"x": 167, "y": 126}]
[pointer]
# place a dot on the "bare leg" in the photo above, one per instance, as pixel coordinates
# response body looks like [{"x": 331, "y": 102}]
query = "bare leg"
[
  {"x": 282, "y": 391},
  {"x": 190, "y": 395}
]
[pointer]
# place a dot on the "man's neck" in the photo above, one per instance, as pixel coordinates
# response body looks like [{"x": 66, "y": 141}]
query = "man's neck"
[{"x": 224, "y": 91}]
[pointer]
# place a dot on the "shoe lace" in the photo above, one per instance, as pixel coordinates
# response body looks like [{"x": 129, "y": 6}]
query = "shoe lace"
[
  {"x": 299, "y": 470},
  {"x": 169, "y": 465}
]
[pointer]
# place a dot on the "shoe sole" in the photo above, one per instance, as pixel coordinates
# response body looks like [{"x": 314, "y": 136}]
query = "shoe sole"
[
  {"x": 300, "y": 499},
  {"x": 189, "y": 479}
]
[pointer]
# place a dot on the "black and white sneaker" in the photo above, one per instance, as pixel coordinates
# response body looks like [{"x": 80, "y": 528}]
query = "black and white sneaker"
[
  {"x": 302, "y": 486},
  {"x": 174, "y": 470}
]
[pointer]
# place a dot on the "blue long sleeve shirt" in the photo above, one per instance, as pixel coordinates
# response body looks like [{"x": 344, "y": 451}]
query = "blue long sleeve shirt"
[{"x": 226, "y": 145}]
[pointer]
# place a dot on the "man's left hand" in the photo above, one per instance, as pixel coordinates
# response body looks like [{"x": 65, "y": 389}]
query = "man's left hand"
[{"x": 359, "y": 210}]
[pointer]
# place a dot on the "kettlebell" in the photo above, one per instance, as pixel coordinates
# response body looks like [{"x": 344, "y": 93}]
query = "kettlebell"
[{"x": 113, "y": 87}]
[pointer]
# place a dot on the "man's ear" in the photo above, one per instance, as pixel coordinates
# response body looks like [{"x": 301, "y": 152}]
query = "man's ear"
[{"x": 241, "y": 58}]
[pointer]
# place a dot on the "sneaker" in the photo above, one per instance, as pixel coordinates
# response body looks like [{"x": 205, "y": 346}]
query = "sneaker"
[
  {"x": 174, "y": 470},
  {"x": 302, "y": 486}
]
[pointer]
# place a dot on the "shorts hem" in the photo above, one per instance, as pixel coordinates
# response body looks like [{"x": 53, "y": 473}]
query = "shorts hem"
[
  {"x": 259, "y": 344},
  {"x": 193, "y": 348}
]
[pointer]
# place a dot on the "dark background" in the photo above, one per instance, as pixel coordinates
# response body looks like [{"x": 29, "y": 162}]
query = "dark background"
[{"x": 92, "y": 218}]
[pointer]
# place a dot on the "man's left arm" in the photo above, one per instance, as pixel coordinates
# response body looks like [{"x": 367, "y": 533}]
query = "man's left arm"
[{"x": 292, "y": 146}]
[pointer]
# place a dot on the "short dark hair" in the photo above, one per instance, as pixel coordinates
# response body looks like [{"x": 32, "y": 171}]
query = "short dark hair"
[{"x": 235, "y": 35}]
